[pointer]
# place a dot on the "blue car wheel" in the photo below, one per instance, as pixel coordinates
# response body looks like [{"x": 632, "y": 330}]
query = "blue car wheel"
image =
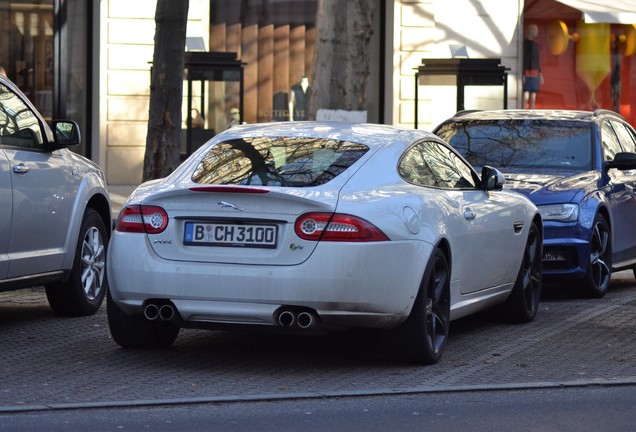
[{"x": 599, "y": 271}]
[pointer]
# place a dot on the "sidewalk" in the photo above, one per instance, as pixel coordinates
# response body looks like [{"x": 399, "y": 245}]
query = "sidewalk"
[
  {"x": 51, "y": 362},
  {"x": 119, "y": 194}
]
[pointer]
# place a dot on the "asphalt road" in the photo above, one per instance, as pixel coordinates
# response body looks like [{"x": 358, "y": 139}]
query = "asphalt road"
[
  {"x": 55, "y": 363},
  {"x": 582, "y": 409}
]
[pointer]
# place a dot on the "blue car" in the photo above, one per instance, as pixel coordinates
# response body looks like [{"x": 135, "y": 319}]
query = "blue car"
[{"x": 578, "y": 168}]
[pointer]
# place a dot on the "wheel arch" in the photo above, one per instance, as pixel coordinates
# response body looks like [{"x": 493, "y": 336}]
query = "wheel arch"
[
  {"x": 602, "y": 210},
  {"x": 444, "y": 246},
  {"x": 100, "y": 204},
  {"x": 538, "y": 220},
  {"x": 88, "y": 198}
]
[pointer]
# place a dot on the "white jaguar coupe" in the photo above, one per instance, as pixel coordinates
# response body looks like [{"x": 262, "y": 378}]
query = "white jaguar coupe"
[{"x": 307, "y": 226}]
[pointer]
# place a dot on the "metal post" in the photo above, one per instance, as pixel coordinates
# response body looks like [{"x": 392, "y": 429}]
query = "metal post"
[
  {"x": 505, "y": 101},
  {"x": 189, "y": 122},
  {"x": 241, "y": 89},
  {"x": 416, "y": 97}
]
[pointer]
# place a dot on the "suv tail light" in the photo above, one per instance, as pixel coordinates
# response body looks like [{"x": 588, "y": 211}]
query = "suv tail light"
[
  {"x": 337, "y": 227},
  {"x": 142, "y": 219}
]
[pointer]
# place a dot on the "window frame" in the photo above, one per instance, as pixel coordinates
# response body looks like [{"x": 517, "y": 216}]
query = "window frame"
[
  {"x": 33, "y": 124},
  {"x": 439, "y": 182}
]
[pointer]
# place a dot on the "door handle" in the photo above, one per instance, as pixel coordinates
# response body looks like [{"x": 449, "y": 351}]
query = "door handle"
[{"x": 20, "y": 168}]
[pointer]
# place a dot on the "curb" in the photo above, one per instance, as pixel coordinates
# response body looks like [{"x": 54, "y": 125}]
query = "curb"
[{"x": 319, "y": 395}]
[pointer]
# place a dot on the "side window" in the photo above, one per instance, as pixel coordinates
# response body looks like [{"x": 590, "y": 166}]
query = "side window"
[
  {"x": 414, "y": 169},
  {"x": 611, "y": 145},
  {"x": 626, "y": 137},
  {"x": 19, "y": 127},
  {"x": 430, "y": 163}
]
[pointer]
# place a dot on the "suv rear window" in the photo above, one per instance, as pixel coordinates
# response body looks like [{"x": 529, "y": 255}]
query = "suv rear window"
[
  {"x": 522, "y": 143},
  {"x": 279, "y": 161}
]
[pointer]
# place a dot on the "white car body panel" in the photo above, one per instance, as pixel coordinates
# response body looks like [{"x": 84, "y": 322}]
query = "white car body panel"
[
  {"x": 44, "y": 236},
  {"x": 487, "y": 238},
  {"x": 38, "y": 232},
  {"x": 6, "y": 205},
  {"x": 280, "y": 206}
]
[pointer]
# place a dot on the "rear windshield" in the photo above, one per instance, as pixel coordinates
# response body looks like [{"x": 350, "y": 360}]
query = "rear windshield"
[
  {"x": 280, "y": 161},
  {"x": 522, "y": 143}
]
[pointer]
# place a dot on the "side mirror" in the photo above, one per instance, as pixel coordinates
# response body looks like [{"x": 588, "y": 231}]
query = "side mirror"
[
  {"x": 66, "y": 133},
  {"x": 622, "y": 161},
  {"x": 491, "y": 178}
]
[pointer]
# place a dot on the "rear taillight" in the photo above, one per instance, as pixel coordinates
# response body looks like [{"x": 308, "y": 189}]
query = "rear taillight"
[
  {"x": 142, "y": 219},
  {"x": 337, "y": 227}
]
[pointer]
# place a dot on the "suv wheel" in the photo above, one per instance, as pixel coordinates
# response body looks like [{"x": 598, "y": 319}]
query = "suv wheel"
[{"x": 82, "y": 294}]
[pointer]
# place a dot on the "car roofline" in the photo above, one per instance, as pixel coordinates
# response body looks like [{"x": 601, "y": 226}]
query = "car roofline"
[{"x": 553, "y": 114}]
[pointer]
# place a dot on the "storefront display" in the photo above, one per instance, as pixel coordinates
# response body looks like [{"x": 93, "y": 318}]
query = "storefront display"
[{"x": 585, "y": 65}]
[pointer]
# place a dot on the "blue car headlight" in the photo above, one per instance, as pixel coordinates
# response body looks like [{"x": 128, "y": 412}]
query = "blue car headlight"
[{"x": 560, "y": 212}]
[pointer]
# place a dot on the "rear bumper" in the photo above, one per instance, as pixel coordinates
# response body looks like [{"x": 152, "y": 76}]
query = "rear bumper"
[{"x": 359, "y": 285}]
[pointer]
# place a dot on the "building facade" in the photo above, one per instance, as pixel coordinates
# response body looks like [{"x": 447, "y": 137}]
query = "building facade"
[{"x": 90, "y": 61}]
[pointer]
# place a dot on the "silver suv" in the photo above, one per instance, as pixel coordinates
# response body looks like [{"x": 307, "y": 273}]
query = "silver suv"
[{"x": 55, "y": 214}]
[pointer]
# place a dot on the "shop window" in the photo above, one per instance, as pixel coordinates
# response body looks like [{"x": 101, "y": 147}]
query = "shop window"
[
  {"x": 584, "y": 65},
  {"x": 46, "y": 56},
  {"x": 276, "y": 42},
  {"x": 26, "y": 50}
]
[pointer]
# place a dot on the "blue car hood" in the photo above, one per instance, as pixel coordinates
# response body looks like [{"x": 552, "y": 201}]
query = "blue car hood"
[{"x": 547, "y": 187}]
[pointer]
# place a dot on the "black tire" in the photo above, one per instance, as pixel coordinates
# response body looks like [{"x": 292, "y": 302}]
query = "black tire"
[
  {"x": 135, "y": 331},
  {"x": 83, "y": 293},
  {"x": 523, "y": 303},
  {"x": 599, "y": 271},
  {"x": 422, "y": 337}
]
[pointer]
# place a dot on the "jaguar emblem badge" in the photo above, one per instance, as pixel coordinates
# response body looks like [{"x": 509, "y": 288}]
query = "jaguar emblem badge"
[{"x": 230, "y": 205}]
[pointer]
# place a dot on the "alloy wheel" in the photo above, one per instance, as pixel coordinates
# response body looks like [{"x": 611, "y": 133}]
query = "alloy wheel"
[
  {"x": 438, "y": 307},
  {"x": 599, "y": 255},
  {"x": 531, "y": 270},
  {"x": 93, "y": 263}
]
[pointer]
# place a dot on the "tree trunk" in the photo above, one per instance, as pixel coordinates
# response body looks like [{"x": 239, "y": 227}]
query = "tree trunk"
[
  {"x": 341, "y": 62},
  {"x": 166, "y": 89}
]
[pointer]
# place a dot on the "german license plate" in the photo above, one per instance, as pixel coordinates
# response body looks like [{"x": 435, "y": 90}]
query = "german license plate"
[{"x": 230, "y": 235}]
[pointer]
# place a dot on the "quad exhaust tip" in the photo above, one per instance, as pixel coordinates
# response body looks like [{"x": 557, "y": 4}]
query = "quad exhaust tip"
[
  {"x": 287, "y": 318},
  {"x": 290, "y": 318}
]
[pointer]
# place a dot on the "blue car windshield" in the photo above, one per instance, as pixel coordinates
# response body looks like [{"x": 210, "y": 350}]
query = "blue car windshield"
[{"x": 522, "y": 143}]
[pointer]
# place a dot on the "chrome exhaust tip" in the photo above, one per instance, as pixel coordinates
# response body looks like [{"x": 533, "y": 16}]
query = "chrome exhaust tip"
[
  {"x": 151, "y": 312},
  {"x": 305, "y": 320},
  {"x": 286, "y": 319},
  {"x": 166, "y": 312}
]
